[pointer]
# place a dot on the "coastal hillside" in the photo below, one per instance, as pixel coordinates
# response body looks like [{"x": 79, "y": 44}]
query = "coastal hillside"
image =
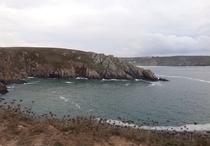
[
  {"x": 18, "y": 63},
  {"x": 170, "y": 61}
]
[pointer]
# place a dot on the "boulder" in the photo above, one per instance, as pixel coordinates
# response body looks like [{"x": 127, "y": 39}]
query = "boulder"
[
  {"x": 149, "y": 75},
  {"x": 3, "y": 88},
  {"x": 16, "y": 81},
  {"x": 92, "y": 74},
  {"x": 162, "y": 79}
]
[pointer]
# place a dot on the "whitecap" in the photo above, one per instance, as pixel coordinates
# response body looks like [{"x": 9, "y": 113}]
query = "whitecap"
[
  {"x": 116, "y": 80},
  {"x": 10, "y": 86},
  {"x": 63, "y": 98},
  {"x": 155, "y": 84},
  {"x": 81, "y": 78},
  {"x": 140, "y": 80},
  {"x": 77, "y": 106},
  {"x": 68, "y": 82},
  {"x": 30, "y": 83},
  {"x": 181, "y": 77}
]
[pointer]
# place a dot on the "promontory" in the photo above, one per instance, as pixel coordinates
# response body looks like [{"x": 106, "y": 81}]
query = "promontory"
[{"x": 18, "y": 63}]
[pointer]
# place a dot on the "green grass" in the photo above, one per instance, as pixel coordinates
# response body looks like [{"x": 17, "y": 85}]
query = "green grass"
[{"x": 54, "y": 56}]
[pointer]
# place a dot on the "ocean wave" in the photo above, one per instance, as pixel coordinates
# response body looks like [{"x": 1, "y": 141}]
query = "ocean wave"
[
  {"x": 31, "y": 77},
  {"x": 31, "y": 83},
  {"x": 128, "y": 84},
  {"x": 78, "y": 106},
  {"x": 155, "y": 84},
  {"x": 10, "y": 87},
  {"x": 68, "y": 82},
  {"x": 188, "y": 127},
  {"x": 81, "y": 78},
  {"x": 181, "y": 77},
  {"x": 144, "y": 81},
  {"x": 116, "y": 80},
  {"x": 63, "y": 98}
]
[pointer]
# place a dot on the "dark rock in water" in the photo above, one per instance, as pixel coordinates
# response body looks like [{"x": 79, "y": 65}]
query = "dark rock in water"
[
  {"x": 16, "y": 81},
  {"x": 3, "y": 88},
  {"x": 162, "y": 79}
]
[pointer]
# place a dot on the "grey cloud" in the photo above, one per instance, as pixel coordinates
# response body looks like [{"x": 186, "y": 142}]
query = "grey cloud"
[
  {"x": 120, "y": 27},
  {"x": 158, "y": 44}
]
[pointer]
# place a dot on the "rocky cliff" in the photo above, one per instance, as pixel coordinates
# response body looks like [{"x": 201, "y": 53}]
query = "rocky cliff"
[{"x": 17, "y": 63}]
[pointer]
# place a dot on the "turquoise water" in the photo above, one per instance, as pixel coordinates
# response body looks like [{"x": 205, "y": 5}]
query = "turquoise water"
[{"x": 185, "y": 99}]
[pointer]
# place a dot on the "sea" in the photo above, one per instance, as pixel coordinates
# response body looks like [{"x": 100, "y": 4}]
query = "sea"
[{"x": 183, "y": 100}]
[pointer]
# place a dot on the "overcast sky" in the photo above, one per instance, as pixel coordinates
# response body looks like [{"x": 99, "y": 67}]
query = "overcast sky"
[{"x": 120, "y": 27}]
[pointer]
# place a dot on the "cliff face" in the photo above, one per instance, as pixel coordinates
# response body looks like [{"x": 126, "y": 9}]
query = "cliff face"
[{"x": 20, "y": 62}]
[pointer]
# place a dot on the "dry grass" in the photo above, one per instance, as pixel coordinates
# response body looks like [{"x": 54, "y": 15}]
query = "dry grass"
[{"x": 21, "y": 127}]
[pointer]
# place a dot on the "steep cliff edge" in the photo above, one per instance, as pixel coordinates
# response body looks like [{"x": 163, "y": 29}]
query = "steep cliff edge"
[{"x": 17, "y": 63}]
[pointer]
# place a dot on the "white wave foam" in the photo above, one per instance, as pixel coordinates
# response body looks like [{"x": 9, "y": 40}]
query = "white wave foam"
[
  {"x": 188, "y": 127},
  {"x": 128, "y": 84},
  {"x": 181, "y": 77},
  {"x": 118, "y": 80},
  {"x": 81, "y": 78},
  {"x": 10, "y": 86},
  {"x": 140, "y": 80},
  {"x": 31, "y": 77},
  {"x": 155, "y": 84},
  {"x": 63, "y": 98},
  {"x": 68, "y": 82},
  {"x": 30, "y": 83},
  {"x": 77, "y": 106}
]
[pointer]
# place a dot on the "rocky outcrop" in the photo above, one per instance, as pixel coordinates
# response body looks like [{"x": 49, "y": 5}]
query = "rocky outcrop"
[
  {"x": 163, "y": 79},
  {"x": 3, "y": 88},
  {"x": 20, "y": 62},
  {"x": 148, "y": 74}
]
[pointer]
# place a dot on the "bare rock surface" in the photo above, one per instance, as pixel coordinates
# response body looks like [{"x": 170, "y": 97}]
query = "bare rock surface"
[{"x": 3, "y": 88}]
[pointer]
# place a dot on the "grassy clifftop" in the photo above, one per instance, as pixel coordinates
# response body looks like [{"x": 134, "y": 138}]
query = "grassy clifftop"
[
  {"x": 20, "y": 62},
  {"x": 17, "y": 63},
  {"x": 170, "y": 61},
  {"x": 58, "y": 57}
]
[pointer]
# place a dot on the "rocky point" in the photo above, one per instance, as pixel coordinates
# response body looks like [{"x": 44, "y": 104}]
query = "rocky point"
[{"x": 18, "y": 63}]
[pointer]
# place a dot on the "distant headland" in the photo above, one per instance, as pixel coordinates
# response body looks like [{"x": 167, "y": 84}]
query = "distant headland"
[
  {"x": 170, "y": 61},
  {"x": 19, "y": 63}
]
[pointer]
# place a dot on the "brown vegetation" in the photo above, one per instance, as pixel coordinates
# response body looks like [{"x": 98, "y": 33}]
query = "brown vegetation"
[{"x": 19, "y": 126}]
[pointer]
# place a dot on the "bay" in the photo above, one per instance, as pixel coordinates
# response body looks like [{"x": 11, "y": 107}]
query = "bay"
[{"x": 185, "y": 99}]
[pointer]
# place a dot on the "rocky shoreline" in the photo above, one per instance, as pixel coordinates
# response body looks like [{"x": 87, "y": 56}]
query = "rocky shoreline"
[{"x": 18, "y": 63}]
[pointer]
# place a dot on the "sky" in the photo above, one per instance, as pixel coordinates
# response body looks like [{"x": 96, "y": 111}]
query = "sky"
[{"x": 123, "y": 28}]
